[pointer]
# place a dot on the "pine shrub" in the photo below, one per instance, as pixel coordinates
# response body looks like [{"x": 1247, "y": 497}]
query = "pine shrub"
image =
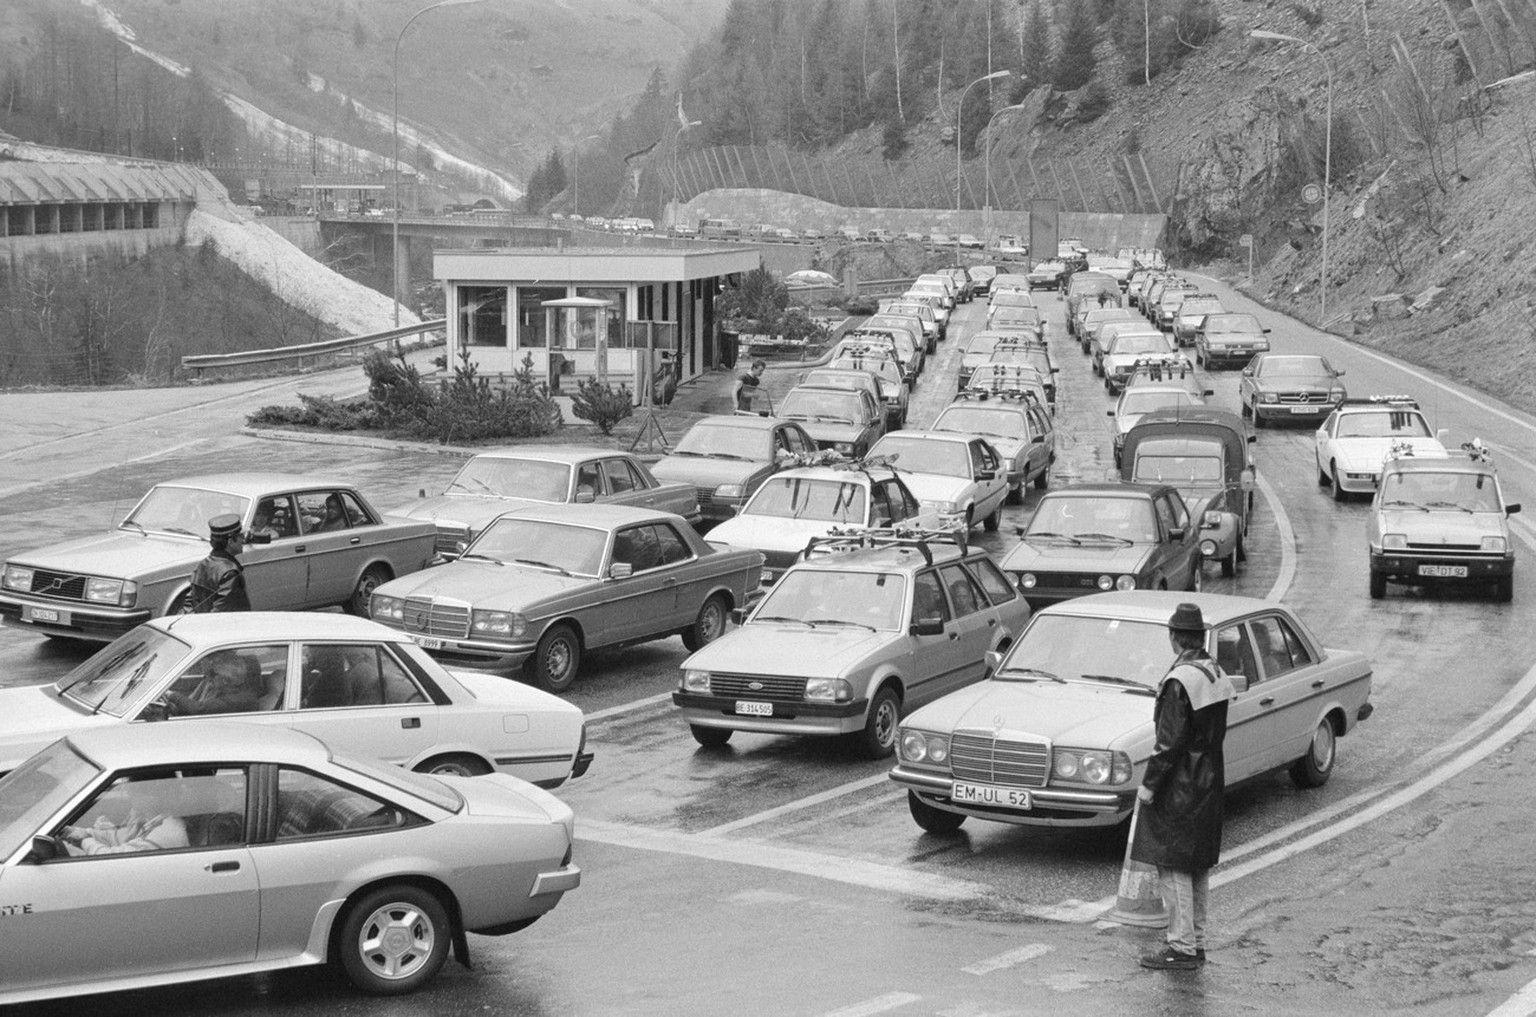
[{"x": 602, "y": 404}]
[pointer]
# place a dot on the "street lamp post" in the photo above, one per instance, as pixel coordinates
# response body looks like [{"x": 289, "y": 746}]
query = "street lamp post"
[
  {"x": 987, "y": 199},
  {"x": 959, "y": 108},
  {"x": 1259, "y": 33},
  {"x": 395, "y": 131}
]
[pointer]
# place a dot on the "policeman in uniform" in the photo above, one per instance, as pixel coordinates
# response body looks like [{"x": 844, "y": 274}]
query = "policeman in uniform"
[{"x": 218, "y": 582}]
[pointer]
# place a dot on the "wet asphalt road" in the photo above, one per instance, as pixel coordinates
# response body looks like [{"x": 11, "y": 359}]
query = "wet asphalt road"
[{"x": 783, "y": 875}]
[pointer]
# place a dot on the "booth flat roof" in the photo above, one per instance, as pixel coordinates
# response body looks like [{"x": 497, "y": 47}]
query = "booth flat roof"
[{"x": 593, "y": 264}]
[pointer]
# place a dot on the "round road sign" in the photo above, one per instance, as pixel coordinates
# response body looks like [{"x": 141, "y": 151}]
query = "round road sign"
[{"x": 1311, "y": 194}]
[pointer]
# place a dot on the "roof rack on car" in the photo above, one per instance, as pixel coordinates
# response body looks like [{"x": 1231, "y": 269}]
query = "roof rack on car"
[
  {"x": 1166, "y": 367},
  {"x": 887, "y": 536},
  {"x": 981, "y": 395},
  {"x": 1381, "y": 400},
  {"x": 1477, "y": 451}
]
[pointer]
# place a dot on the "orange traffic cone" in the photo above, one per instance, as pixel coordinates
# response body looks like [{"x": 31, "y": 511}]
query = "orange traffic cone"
[{"x": 1140, "y": 899}]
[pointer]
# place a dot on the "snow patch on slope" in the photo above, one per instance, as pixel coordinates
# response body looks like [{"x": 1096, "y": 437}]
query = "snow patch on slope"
[{"x": 300, "y": 280}]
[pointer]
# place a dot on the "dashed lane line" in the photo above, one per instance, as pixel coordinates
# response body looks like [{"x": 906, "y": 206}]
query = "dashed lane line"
[
  {"x": 878, "y": 1004},
  {"x": 795, "y": 806},
  {"x": 1012, "y": 958}
]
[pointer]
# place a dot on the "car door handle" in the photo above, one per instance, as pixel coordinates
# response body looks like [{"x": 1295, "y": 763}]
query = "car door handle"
[
  {"x": 1319, "y": 683},
  {"x": 954, "y": 635},
  {"x": 301, "y": 549},
  {"x": 1267, "y": 701},
  {"x": 222, "y": 867},
  {"x": 991, "y": 622},
  {"x": 410, "y": 723},
  {"x": 355, "y": 540}
]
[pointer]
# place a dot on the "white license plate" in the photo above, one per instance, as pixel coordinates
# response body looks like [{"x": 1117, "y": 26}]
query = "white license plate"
[
  {"x": 751, "y": 709},
  {"x": 1444, "y": 571},
  {"x": 981, "y": 794},
  {"x": 46, "y": 614},
  {"x": 1307, "y": 409},
  {"x": 428, "y": 643}
]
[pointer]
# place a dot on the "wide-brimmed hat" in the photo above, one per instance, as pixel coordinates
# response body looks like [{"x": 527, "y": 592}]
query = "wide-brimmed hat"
[
  {"x": 1187, "y": 618},
  {"x": 224, "y": 526}
]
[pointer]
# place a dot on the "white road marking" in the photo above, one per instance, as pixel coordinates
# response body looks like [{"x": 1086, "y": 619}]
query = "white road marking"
[
  {"x": 763, "y": 855},
  {"x": 1007, "y": 960},
  {"x": 623, "y": 708},
  {"x": 799, "y": 803},
  {"x": 1287, "y": 541},
  {"x": 879, "y": 1004},
  {"x": 1521, "y": 1004}
]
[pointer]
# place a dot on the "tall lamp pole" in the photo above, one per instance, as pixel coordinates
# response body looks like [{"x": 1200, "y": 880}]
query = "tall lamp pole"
[
  {"x": 1259, "y": 33},
  {"x": 987, "y": 200},
  {"x": 395, "y": 131},
  {"x": 960, "y": 108}
]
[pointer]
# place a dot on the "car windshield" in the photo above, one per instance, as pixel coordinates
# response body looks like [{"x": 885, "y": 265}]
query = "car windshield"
[
  {"x": 837, "y": 501},
  {"x": 838, "y": 406},
  {"x": 1013, "y": 298},
  {"x": 532, "y": 479},
  {"x": 924, "y": 455},
  {"x": 725, "y": 441},
  {"x": 1383, "y": 424},
  {"x": 1129, "y": 345},
  {"x": 919, "y": 311},
  {"x": 978, "y": 420},
  {"x": 901, "y": 321},
  {"x": 1177, "y": 469},
  {"x": 169, "y": 508},
  {"x": 564, "y": 547},
  {"x": 1192, "y": 308},
  {"x": 37, "y": 789},
  {"x": 1147, "y": 400},
  {"x": 118, "y": 675},
  {"x": 1107, "y": 516},
  {"x": 1073, "y": 648},
  {"x": 1291, "y": 367},
  {"x": 885, "y": 367},
  {"x": 1029, "y": 315},
  {"x": 982, "y": 345},
  {"x": 874, "y": 599},
  {"x": 1450, "y": 489},
  {"x": 1233, "y": 323}
]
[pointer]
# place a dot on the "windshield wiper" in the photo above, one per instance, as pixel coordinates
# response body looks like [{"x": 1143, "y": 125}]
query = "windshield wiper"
[
  {"x": 1450, "y": 505},
  {"x": 784, "y": 618},
  {"x": 1115, "y": 679},
  {"x": 487, "y": 488},
  {"x": 1034, "y": 672},
  {"x": 1048, "y": 535},
  {"x": 729, "y": 455},
  {"x": 538, "y": 565},
  {"x": 1404, "y": 504},
  {"x": 178, "y": 529},
  {"x": 1106, "y": 536},
  {"x": 827, "y": 418},
  {"x": 839, "y": 621},
  {"x": 481, "y": 557}
]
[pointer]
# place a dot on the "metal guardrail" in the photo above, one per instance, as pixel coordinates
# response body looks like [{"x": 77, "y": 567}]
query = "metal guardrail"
[
  {"x": 203, "y": 361},
  {"x": 884, "y": 287}
]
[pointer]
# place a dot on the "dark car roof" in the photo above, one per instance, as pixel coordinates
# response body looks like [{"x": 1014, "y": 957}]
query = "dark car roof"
[{"x": 1108, "y": 490}]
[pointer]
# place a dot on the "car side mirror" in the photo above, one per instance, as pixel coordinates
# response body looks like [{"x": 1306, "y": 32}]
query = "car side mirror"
[
  {"x": 1268, "y": 330},
  {"x": 1109, "y": 413},
  {"x": 253, "y": 537},
  {"x": 620, "y": 570},
  {"x": 1038, "y": 439},
  {"x": 1176, "y": 533},
  {"x": 1510, "y": 510},
  {"x": 44, "y": 849},
  {"x": 738, "y": 616},
  {"x": 1208, "y": 391},
  {"x": 1443, "y": 435},
  {"x": 1338, "y": 374},
  {"x": 933, "y": 626},
  {"x": 421, "y": 492}
]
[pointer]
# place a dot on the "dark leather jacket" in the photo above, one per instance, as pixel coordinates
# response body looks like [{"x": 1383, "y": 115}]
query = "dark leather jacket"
[{"x": 218, "y": 584}]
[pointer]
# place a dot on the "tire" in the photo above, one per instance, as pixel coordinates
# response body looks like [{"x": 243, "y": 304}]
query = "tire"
[
  {"x": 1229, "y": 563},
  {"x": 1258, "y": 421},
  {"x": 878, "y": 739},
  {"x": 1015, "y": 494},
  {"x": 393, "y": 940},
  {"x": 1247, "y": 411},
  {"x": 1043, "y": 478},
  {"x": 1339, "y": 494},
  {"x": 709, "y": 625},
  {"x": 931, "y": 819},
  {"x": 1197, "y": 576},
  {"x": 456, "y": 765},
  {"x": 992, "y": 521},
  {"x": 710, "y": 737},
  {"x": 182, "y": 604},
  {"x": 1314, "y": 768},
  {"x": 1504, "y": 589},
  {"x": 1378, "y": 585},
  {"x": 372, "y": 578},
  {"x": 555, "y": 662},
  {"x": 1323, "y": 480}
]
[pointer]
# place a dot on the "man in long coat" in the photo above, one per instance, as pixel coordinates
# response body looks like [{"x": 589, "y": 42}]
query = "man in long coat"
[{"x": 1179, "y": 803}]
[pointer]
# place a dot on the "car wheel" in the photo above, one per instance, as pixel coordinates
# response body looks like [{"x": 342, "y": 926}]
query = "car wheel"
[
  {"x": 182, "y": 604},
  {"x": 554, "y": 663},
  {"x": 931, "y": 819},
  {"x": 373, "y": 577},
  {"x": 1323, "y": 480},
  {"x": 1258, "y": 421},
  {"x": 1247, "y": 411},
  {"x": 1314, "y": 768},
  {"x": 1378, "y": 585},
  {"x": 1339, "y": 494},
  {"x": 1229, "y": 563},
  {"x": 709, "y": 625},
  {"x": 878, "y": 739},
  {"x": 457, "y": 765},
  {"x": 1504, "y": 589},
  {"x": 1197, "y": 576},
  {"x": 393, "y": 940},
  {"x": 990, "y": 523},
  {"x": 710, "y": 737},
  {"x": 1043, "y": 478},
  {"x": 1016, "y": 494}
]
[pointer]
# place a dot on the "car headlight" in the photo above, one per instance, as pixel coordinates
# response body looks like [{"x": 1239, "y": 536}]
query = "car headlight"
[
  {"x": 731, "y": 491},
  {"x": 1027, "y": 580},
  {"x": 1394, "y": 542},
  {"x": 1092, "y": 766},
  {"x": 1211, "y": 519},
  {"x": 1269, "y": 397},
  {"x": 18, "y": 577},
  {"x": 1106, "y": 582},
  {"x": 1208, "y": 548},
  {"x": 944, "y": 508},
  {"x": 103, "y": 591},
  {"x": 828, "y": 690},
  {"x": 386, "y": 609},
  {"x": 923, "y": 747},
  {"x": 1498, "y": 544},
  {"x": 506, "y": 624},
  {"x": 1125, "y": 583},
  {"x": 695, "y": 681}
]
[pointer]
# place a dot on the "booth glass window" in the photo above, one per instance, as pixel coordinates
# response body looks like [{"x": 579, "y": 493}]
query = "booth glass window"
[
  {"x": 483, "y": 315},
  {"x": 615, "y": 295},
  {"x": 530, "y": 314}
]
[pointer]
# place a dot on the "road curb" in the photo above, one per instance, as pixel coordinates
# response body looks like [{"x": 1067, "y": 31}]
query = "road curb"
[{"x": 358, "y": 441}]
